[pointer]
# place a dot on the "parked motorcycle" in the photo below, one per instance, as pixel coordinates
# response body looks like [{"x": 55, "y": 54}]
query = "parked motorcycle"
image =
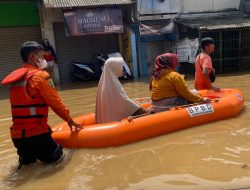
[
  {"x": 92, "y": 71},
  {"x": 83, "y": 72}
]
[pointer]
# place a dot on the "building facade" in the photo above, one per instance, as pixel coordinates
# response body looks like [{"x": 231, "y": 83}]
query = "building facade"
[
  {"x": 150, "y": 27},
  {"x": 19, "y": 22},
  {"x": 178, "y": 25},
  {"x": 84, "y": 46}
]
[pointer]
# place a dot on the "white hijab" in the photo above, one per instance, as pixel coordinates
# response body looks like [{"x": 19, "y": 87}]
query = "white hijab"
[{"x": 112, "y": 103}]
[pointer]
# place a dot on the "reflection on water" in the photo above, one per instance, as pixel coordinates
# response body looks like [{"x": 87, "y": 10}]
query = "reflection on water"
[{"x": 211, "y": 156}]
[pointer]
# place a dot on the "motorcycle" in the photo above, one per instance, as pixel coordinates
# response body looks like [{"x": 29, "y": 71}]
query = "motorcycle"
[
  {"x": 83, "y": 72},
  {"x": 92, "y": 71}
]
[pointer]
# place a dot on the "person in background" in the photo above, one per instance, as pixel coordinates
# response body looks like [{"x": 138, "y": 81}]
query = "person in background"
[
  {"x": 112, "y": 103},
  {"x": 50, "y": 57},
  {"x": 32, "y": 92},
  {"x": 204, "y": 71},
  {"x": 168, "y": 88}
]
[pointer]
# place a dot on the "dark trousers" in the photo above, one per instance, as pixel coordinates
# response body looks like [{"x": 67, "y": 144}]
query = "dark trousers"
[{"x": 41, "y": 147}]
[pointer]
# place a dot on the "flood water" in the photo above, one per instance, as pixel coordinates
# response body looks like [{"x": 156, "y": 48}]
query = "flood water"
[{"x": 212, "y": 156}]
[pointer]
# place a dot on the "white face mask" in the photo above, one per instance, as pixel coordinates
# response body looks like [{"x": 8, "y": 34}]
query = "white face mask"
[{"x": 42, "y": 64}]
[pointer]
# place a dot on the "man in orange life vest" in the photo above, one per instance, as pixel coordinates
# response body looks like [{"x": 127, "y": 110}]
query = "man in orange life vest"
[{"x": 32, "y": 92}]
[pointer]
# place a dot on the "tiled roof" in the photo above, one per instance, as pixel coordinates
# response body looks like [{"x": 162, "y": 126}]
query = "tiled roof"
[
  {"x": 83, "y": 3},
  {"x": 216, "y": 21}
]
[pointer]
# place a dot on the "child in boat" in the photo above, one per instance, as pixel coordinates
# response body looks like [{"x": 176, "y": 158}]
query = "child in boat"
[
  {"x": 112, "y": 103},
  {"x": 168, "y": 88}
]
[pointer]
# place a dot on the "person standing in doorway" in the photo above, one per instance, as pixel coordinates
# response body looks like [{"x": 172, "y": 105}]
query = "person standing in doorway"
[
  {"x": 31, "y": 94},
  {"x": 50, "y": 57},
  {"x": 204, "y": 71}
]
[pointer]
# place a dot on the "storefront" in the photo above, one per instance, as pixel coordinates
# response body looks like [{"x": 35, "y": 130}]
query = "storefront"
[
  {"x": 82, "y": 32},
  {"x": 230, "y": 30},
  {"x": 19, "y": 22}
]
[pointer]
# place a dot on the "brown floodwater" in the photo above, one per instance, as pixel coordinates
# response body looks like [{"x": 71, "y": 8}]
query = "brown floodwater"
[{"x": 212, "y": 156}]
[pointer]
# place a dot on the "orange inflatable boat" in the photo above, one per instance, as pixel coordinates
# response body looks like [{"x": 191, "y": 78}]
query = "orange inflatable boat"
[{"x": 225, "y": 104}]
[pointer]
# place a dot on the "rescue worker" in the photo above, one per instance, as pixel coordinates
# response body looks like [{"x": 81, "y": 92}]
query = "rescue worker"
[{"x": 32, "y": 92}]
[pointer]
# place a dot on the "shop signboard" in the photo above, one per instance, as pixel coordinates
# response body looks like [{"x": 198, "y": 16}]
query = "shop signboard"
[{"x": 93, "y": 21}]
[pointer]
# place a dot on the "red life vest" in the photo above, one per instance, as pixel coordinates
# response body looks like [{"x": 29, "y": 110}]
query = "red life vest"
[{"x": 29, "y": 115}]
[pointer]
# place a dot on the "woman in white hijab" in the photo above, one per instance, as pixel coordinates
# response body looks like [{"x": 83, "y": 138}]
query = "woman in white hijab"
[{"x": 112, "y": 103}]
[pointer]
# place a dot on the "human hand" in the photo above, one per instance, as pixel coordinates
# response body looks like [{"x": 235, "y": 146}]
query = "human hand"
[
  {"x": 74, "y": 126},
  {"x": 185, "y": 77},
  {"x": 206, "y": 100},
  {"x": 151, "y": 110},
  {"x": 215, "y": 89}
]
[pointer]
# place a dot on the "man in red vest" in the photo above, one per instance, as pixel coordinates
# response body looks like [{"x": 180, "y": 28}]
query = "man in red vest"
[{"x": 32, "y": 92}]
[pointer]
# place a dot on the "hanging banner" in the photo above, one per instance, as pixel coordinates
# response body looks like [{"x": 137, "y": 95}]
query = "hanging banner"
[
  {"x": 157, "y": 29},
  {"x": 187, "y": 49},
  {"x": 93, "y": 21}
]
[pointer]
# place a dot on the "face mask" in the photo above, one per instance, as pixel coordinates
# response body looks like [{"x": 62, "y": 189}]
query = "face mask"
[{"x": 42, "y": 64}]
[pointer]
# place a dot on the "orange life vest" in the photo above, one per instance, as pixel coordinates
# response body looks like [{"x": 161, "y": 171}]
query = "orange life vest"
[{"x": 29, "y": 115}]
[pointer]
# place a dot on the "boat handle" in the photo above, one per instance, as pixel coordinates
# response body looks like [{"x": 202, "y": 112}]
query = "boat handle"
[
  {"x": 198, "y": 103},
  {"x": 131, "y": 118}
]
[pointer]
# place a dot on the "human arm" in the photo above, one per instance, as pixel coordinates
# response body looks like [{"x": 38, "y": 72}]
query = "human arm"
[
  {"x": 49, "y": 94},
  {"x": 142, "y": 111},
  {"x": 207, "y": 68},
  {"x": 206, "y": 77},
  {"x": 183, "y": 91}
]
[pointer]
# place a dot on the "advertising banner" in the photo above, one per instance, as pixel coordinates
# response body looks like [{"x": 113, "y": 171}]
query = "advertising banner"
[{"x": 93, "y": 21}]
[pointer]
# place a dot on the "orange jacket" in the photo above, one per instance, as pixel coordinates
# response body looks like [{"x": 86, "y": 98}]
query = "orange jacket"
[
  {"x": 31, "y": 92},
  {"x": 41, "y": 85}
]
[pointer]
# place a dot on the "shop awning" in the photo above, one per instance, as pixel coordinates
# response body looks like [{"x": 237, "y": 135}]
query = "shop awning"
[
  {"x": 215, "y": 21},
  {"x": 156, "y": 27},
  {"x": 83, "y": 3}
]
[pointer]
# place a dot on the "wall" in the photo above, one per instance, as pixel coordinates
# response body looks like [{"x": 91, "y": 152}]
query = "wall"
[
  {"x": 48, "y": 16},
  {"x": 153, "y": 49},
  {"x": 245, "y": 6},
  {"x": 19, "y": 14},
  {"x": 154, "y": 7},
  {"x": 189, "y": 6},
  {"x": 158, "y": 7}
]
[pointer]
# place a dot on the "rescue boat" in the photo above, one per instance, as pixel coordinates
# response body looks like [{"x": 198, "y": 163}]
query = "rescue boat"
[{"x": 224, "y": 104}]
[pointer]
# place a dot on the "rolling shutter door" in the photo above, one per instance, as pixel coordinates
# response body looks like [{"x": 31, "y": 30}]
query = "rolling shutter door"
[
  {"x": 11, "y": 40},
  {"x": 80, "y": 48}
]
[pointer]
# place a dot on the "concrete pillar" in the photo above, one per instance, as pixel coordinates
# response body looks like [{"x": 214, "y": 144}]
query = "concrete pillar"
[
  {"x": 47, "y": 17},
  {"x": 143, "y": 63}
]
